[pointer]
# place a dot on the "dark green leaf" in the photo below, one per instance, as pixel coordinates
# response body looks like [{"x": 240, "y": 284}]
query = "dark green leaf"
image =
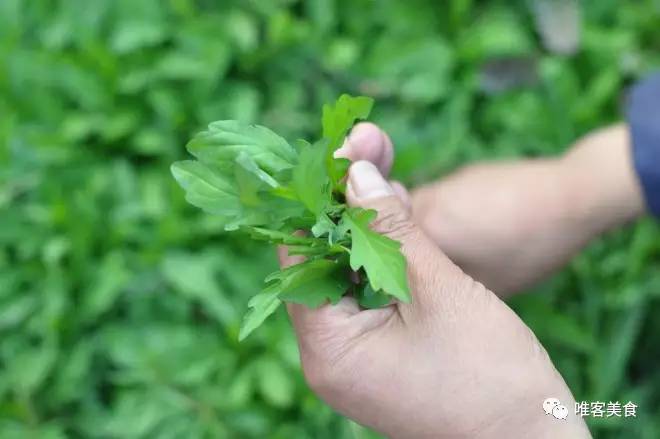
[
  {"x": 313, "y": 282},
  {"x": 368, "y": 298}
]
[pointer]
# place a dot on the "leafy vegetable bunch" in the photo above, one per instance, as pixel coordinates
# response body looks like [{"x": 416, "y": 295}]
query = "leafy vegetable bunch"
[{"x": 258, "y": 183}]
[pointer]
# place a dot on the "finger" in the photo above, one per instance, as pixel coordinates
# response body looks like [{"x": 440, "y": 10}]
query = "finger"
[
  {"x": 385, "y": 166},
  {"x": 401, "y": 192},
  {"x": 368, "y": 142},
  {"x": 427, "y": 265}
]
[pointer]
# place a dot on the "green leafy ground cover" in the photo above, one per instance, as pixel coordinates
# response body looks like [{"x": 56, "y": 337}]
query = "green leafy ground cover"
[{"x": 120, "y": 304}]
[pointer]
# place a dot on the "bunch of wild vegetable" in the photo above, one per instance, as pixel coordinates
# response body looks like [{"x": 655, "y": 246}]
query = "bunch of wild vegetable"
[{"x": 258, "y": 183}]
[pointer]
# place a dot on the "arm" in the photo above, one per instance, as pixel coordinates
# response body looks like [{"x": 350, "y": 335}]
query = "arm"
[
  {"x": 600, "y": 181},
  {"x": 512, "y": 224}
]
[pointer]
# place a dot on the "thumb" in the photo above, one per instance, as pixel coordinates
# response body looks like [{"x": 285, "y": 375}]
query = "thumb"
[{"x": 429, "y": 269}]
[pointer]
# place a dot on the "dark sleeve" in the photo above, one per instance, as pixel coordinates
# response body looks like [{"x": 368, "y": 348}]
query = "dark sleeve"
[{"x": 644, "y": 121}]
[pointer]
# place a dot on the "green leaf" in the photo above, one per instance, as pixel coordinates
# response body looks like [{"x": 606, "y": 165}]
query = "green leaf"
[
  {"x": 283, "y": 238},
  {"x": 194, "y": 275},
  {"x": 302, "y": 245},
  {"x": 341, "y": 166},
  {"x": 368, "y": 298},
  {"x": 323, "y": 226},
  {"x": 248, "y": 163},
  {"x": 310, "y": 283},
  {"x": 207, "y": 189},
  {"x": 310, "y": 178},
  {"x": 316, "y": 252},
  {"x": 244, "y": 199},
  {"x": 379, "y": 255},
  {"x": 401, "y": 67},
  {"x": 256, "y": 181},
  {"x": 31, "y": 366},
  {"x": 225, "y": 140},
  {"x": 261, "y": 306},
  {"x": 337, "y": 120},
  {"x": 248, "y": 184},
  {"x": 313, "y": 282},
  {"x": 275, "y": 383}
]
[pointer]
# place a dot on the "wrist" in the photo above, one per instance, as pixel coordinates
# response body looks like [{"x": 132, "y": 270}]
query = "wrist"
[{"x": 599, "y": 184}]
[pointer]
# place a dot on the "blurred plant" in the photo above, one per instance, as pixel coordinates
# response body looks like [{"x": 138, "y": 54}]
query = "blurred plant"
[{"x": 120, "y": 303}]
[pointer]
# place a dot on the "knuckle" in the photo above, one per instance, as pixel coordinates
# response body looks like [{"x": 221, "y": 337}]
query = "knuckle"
[{"x": 394, "y": 223}]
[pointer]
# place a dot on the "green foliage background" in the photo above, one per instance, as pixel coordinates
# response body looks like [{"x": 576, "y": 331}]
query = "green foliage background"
[{"x": 120, "y": 304}]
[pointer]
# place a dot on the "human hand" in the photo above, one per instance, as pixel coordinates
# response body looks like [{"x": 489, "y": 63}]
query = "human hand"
[
  {"x": 455, "y": 363},
  {"x": 511, "y": 224}
]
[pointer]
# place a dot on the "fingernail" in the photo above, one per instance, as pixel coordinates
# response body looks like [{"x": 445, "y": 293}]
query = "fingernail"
[
  {"x": 364, "y": 140},
  {"x": 366, "y": 181},
  {"x": 366, "y": 133},
  {"x": 344, "y": 152}
]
